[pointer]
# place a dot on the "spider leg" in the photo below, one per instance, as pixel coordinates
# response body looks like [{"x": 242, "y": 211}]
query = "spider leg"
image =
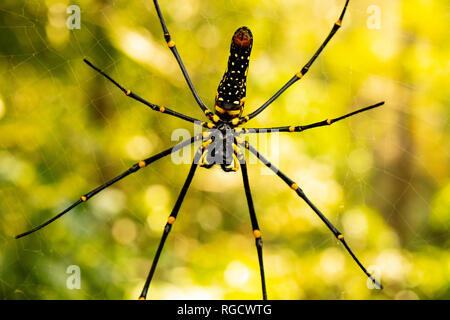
[
  {"x": 303, "y": 71},
  {"x": 171, "y": 221},
  {"x": 152, "y": 106},
  {"x": 174, "y": 50},
  {"x": 302, "y": 195},
  {"x": 326, "y": 122},
  {"x": 132, "y": 169},
  {"x": 255, "y": 227}
]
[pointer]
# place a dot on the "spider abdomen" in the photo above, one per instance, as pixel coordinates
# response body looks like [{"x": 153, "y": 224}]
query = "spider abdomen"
[{"x": 230, "y": 97}]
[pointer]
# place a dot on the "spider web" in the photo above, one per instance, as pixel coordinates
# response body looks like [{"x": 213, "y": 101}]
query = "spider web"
[{"x": 66, "y": 130}]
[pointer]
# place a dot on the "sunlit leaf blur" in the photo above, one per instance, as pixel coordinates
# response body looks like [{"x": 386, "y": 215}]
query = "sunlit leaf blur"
[{"x": 382, "y": 177}]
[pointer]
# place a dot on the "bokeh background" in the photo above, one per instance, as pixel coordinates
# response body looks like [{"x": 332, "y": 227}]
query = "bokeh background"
[{"x": 381, "y": 177}]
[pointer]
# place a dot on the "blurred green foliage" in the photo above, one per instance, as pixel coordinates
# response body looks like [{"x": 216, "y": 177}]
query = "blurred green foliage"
[{"x": 381, "y": 177}]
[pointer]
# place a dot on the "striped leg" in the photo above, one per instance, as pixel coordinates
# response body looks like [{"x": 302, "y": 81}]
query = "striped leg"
[
  {"x": 326, "y": 122},
  {"x": 303, "y": 71},
  {"x": 174, "y": 50},
  {"x": 255, "y": 227},
  {"x": 131, "y": 94},
  {"x": 132, "y": 169},
  {"x": 170, "y": 222},
  {"x": 302, "y": 195}
]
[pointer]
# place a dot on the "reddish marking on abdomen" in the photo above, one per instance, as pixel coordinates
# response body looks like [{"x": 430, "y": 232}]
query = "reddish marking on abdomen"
[{"x": 242, "y": 39}]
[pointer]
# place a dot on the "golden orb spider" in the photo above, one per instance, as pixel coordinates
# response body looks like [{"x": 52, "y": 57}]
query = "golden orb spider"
[{"x": 222, "y": 142}]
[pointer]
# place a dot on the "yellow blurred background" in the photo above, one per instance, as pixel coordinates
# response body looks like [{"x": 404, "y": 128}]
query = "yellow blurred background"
[{"x": 381, "y": 177}]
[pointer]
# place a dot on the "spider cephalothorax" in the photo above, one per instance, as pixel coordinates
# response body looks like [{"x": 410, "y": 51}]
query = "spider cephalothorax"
[
  {"x": 220, "y": 147},
  {"x": 222, "y": 143}
]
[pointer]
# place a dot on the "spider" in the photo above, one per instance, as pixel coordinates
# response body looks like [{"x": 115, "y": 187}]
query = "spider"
[{"x": 222, "y": 142}]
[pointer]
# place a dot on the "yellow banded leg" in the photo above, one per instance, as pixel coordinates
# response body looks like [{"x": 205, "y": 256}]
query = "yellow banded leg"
[
  {"x": 170, "y": 221},
  {"x": 302, "y": 195},
  {"x": 255, "y": 227},
  {"x": 203, "y": 158},
  {"x": 236, "y": 163}
]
